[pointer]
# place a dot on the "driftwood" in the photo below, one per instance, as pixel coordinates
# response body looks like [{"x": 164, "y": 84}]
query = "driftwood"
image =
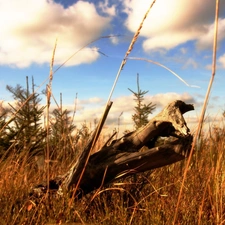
[{"x": 164, "y": 140}]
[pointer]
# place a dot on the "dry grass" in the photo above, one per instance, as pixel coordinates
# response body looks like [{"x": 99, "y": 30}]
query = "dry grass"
[
  {"x": 151, "y": 199},
  {"x": 145, "y": 199},
  {"x": 200, "y": 124}
]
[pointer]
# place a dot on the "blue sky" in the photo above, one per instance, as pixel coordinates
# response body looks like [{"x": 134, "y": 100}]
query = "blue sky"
[{"x": 177, "y": 34}]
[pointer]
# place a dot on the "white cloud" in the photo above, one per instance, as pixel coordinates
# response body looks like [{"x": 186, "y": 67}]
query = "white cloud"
[
  {"x": 162, "y": 99},
  {"x": 171, "y": 23},
  {"x": 190, "y": 63},
  {"x": 168, "y": 40},
  {"x": 221, "y": 61},
  {"x": 29, "y": 30},
  {"x": 114, "y": 40},
  {"x": 123, "y": 108},
  {"x": 93, "y": 100},
  {"x": 183, "y": 50},
  {"x": 91, "y": 109},
  {"x": 104, "y": 6},
  {"x": 206, "y": 40}
]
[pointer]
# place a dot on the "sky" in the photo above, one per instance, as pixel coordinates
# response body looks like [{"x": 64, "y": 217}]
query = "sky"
[{"x": 177, "y": 34}]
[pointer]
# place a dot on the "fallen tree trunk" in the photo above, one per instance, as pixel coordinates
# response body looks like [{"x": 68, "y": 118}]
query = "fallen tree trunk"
[{"x": 163, "y": 141}]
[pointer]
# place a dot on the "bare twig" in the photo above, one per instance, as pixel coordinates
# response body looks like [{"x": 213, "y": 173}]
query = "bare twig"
[
  {"x": 159, "y": 64},
  {"x": 102, "y": 37}
]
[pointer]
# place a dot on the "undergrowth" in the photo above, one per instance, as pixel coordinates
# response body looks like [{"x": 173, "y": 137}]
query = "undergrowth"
[{"x": 147, "y": 198}]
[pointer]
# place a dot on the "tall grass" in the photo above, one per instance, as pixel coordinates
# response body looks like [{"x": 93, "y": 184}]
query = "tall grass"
[
  {"x": 200, "y": 124},
  {"x": 161, "y": 198},
  {"x": 125, "y": 202}
]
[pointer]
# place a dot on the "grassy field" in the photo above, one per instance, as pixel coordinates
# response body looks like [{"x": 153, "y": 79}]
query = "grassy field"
[{"x": 148, "y": 198}]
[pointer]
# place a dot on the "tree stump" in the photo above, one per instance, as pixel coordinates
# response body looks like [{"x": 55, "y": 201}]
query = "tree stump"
[{"x": 166, "y": 139}]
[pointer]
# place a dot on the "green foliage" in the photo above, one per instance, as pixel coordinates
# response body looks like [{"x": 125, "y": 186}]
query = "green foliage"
[
  {"x": 142, "y": 111},
  {"x": 27, "y": 132},
  {"x": 23, "y": 131},
  {"x": 61, "y": 134}
]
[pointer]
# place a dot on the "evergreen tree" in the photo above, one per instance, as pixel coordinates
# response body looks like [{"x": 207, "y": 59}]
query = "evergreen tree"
[
  {"x": 27, "y": 131},
  {"x": 142, "y": 111},
  {"x": 140, "y": 118},
  {"x": 61, "y": 133}
]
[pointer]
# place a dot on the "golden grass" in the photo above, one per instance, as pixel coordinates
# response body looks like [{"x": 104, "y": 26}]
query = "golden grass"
[
  {"x": 161, "y": 197},
  {"x": 200, "y": 124},
  {"x": 149, "y": 199}
]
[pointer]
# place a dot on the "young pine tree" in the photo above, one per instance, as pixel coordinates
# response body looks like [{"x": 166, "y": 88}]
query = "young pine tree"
[
  {"x": 62, "y": 127},
  {"x": 27, "y": 132},
  {"x": 140, "y": 118},
  {"x": 141, "y": 110}
]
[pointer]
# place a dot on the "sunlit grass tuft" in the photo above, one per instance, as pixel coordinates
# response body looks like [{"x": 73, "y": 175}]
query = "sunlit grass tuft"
[{"x": 149, "y": 198}]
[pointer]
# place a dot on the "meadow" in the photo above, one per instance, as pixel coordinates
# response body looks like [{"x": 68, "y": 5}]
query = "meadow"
[
  {"x": 147, "y": 198},
  {"x": 152, "y": 197}
]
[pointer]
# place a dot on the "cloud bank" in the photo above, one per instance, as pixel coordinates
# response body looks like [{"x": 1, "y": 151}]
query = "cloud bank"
[
  {"x": 29, "y": 30},
  {"x": 171, "y": 23},
  {"x": 123, "y": 107}
]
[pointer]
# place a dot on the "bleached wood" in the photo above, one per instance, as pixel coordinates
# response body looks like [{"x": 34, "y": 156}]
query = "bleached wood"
[{"x": 166, "y": 139}]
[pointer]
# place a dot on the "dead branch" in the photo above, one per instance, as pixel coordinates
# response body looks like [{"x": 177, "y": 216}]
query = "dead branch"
[{"x": 164, "y": 140}]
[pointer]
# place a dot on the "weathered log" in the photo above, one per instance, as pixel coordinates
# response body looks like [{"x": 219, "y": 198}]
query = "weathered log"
[{"x": 164, "y": 140}]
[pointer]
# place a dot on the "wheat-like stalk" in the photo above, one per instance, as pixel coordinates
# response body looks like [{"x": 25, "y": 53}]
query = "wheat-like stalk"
[
  {"x": 109, "y": 102},
  {"x": 197, "y": 135},
  {"x": 49, "y": 93},
  {"x": 133, "y": 41}
]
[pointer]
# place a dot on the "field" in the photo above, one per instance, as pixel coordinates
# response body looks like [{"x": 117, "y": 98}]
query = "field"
[
  {"x": 148, "y": 198},
  {"x": 187, "y": 192}
]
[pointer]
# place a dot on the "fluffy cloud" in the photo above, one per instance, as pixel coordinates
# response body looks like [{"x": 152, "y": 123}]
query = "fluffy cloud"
[
  {"x": 162, "y": 99},
  {"x": 190, "y": 63},
  {"x": 206, "y": 41},
  {"x": 109, "y": 10},
  {"x": 173, "y": 22},
  {"x": 120, "y": 114},
  {"x": 29, "y": 30},
  {"x": 93, "y": 100},
  {"x": 114, "y": 40},
  {"x": 221, "y": 61},
  {"x": 123, "y": 108}
]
